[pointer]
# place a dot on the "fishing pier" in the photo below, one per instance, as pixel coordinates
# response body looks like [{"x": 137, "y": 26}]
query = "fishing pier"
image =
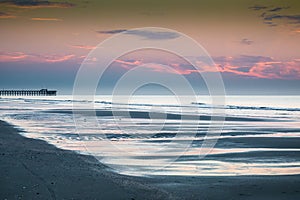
[{"x": 42, "y": 92}]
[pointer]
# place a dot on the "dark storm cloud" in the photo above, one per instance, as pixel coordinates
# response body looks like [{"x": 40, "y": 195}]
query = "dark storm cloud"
[
  {"x": 291, "y": 19},
  {"x": 246, "y": 41},
  {"x": 274, "y": 14},
  {"x": 257, "y": 7},
  {"x": 4, "y": 15},
  {"x": 149, "y": 35},
  {"x": 288, "y": 17},
  {"x": 275, "y": 9},
  {"x": 36, "y": 3},
  {"x": 112, "y": 31}
]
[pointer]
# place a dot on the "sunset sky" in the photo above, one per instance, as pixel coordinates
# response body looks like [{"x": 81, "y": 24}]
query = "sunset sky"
[{"x": 255, "y": 44}]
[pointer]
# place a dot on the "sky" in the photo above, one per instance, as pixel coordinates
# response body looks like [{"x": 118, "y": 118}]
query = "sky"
[{"x": 254, "y": 44}]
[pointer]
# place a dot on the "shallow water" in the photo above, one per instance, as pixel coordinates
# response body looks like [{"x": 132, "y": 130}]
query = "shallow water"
[{"x": 157, "y": 135}]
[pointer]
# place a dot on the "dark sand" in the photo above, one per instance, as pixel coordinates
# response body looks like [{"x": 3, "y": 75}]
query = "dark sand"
[{"x": 34, "y": 169}]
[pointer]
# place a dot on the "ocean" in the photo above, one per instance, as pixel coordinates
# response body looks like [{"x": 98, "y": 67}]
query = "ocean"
[{"x": 158, "y": 135}]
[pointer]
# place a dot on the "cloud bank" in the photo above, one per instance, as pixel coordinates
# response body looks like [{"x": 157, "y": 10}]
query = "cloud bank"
[
  {"x": 241, "y": 66},
  {"x": 36, "y": 4},
  {"x": 148, "y": 35}
]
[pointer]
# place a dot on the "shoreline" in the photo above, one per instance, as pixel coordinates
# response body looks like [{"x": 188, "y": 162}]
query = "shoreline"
[{"x": 35, "y": 169}]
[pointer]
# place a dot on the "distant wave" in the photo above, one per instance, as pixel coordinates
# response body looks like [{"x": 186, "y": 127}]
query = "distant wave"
[
  {"x": 192, "y": 104},
  {"x": 141, "y": 104},
  {"x": 246, "y": 107}
]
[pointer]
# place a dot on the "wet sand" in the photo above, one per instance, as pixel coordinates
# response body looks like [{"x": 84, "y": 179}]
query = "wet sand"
[{"x": 34, "y": 169}]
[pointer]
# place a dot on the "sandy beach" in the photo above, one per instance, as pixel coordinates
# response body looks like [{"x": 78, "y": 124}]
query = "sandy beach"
[
  {"x": 149, "y": 100},
  {"x": 34, "y": 169}
]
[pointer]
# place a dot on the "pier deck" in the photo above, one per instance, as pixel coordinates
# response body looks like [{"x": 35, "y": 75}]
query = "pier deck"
[{"x": 42, "y": 92}]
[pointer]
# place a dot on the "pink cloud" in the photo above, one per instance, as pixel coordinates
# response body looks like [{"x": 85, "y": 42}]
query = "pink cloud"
[
  {"x": 157, "y": 67},
  {"x": 250, "y": 66},
  {"x": 20, "y": 56},
  {"x": 176, "y": 68},
  {"x": 131, "y": 63},
  {"x": 261, "y": 67},
  {"x": 278, "y": 70},
  {"x": 12, "y": 57},
  {"x": 87, "y": 47},
  {"x": 55, "y": 58},
  {"x": 45, "y": 19}
]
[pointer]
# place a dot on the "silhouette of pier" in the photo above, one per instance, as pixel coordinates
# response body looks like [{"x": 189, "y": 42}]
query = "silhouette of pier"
[{"x": 42, "y": 92}]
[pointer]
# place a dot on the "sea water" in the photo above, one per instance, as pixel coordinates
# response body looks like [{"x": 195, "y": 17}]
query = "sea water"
[{"x": 158, "y": 135}]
